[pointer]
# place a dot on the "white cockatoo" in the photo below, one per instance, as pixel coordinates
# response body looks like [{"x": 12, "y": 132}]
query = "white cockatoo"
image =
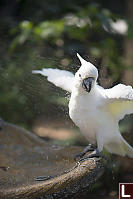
[{"x": 95, "y": 110}]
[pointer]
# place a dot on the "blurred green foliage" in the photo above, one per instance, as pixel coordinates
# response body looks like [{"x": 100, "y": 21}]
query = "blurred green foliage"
[{"x": 37, "y": 34}]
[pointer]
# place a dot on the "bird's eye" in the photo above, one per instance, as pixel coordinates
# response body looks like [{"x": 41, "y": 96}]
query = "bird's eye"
[{"x": 79, "y": 75}]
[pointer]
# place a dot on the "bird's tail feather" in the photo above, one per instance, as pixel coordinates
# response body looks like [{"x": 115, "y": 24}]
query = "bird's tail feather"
[{"x": 120, "y": 148}]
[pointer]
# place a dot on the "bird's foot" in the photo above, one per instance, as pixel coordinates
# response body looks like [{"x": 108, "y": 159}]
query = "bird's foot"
[
  {"x": 95, "y": 153},
  {"x": 87, "y": 149}
]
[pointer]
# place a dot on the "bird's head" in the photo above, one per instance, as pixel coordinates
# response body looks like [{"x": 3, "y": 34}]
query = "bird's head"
[{"x": 87, "y": 75}]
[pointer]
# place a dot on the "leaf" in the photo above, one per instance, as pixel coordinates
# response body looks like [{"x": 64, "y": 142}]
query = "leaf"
[{"x": 48, "y": 29}]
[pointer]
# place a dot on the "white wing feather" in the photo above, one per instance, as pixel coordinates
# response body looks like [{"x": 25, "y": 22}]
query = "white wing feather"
[
  {"x": 119, "y": 100},
  {"x": 61, "y": 78}
]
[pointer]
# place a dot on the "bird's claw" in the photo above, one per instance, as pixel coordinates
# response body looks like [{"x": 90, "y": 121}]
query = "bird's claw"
[
  {"x": 95, "y": 153},
  {"x": 87, "y": 149},
  {"x": 80, "y": 155}
]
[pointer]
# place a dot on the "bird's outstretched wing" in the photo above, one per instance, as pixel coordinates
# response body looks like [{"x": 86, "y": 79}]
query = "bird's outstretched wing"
[
  {"x": 119, "y": 100},
  {"x": 61, "y": 78}
]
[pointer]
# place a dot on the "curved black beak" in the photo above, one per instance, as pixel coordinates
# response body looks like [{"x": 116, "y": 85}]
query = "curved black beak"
[{"x": 87, "y": 83}]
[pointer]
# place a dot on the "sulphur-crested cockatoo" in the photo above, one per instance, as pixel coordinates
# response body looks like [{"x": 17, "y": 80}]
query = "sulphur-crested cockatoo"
[{"x": 95, "y": 110}]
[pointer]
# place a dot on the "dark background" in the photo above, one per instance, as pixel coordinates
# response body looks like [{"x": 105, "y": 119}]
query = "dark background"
[{"x": 36, "y": 34}]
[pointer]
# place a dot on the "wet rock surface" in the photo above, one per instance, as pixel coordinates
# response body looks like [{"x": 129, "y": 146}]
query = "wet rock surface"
[{"x": 28, "y": 157}]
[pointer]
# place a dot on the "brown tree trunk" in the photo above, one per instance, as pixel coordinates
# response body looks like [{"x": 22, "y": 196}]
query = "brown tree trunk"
[{"x": 128, "y": 51}]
